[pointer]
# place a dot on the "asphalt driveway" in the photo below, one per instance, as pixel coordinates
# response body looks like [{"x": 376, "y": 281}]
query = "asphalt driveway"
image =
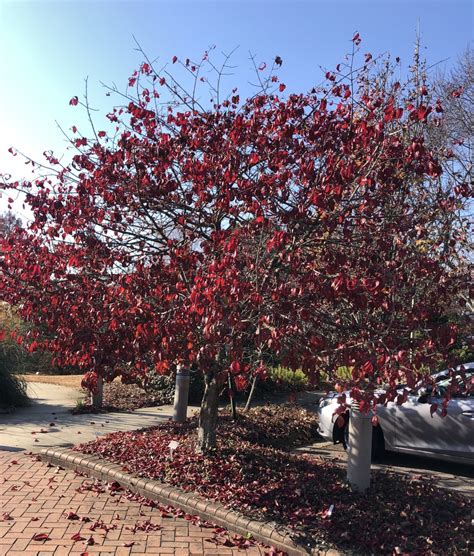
[{"x": 448, "y": 475}]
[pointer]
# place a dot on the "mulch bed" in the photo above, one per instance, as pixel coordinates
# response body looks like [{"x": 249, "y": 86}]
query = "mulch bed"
[
  {"x": 125, "y": 397},
  {"x": 249, "y": 472}
]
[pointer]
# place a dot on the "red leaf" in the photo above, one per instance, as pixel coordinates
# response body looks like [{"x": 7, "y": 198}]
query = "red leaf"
[
  {"x": 175, "y": 58},
  {"x": 282, "y": 87},
  {"x": 367, "y": 367},
  {"x": 41, "y": 537},
  {"x": 240, "y": 382},
  {"x": 77, "y": 537},
  {"x": 74, "y": 101},
  {"x": 254, "y": 158}
]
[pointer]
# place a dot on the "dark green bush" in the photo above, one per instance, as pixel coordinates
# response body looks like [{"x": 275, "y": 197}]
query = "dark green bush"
[
  {"x": 12, "y": 386},
  {"x": 20, "y": 360}
]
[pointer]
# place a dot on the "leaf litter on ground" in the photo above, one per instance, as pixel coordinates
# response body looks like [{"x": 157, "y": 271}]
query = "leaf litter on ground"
[{"x": 251, "y": 473}]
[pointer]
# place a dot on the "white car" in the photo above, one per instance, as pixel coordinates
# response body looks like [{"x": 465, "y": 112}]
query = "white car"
[{"x": 410, "y": 428}]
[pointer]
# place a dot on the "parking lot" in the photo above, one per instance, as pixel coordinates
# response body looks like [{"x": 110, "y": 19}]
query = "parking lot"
[{"x": 448, "y": 475}]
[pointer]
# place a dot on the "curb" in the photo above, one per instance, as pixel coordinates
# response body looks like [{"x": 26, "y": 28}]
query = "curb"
[{"x": 267, "y": 532}]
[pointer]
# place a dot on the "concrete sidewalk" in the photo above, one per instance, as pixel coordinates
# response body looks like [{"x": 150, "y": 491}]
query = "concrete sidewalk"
[
  {"x": 48, "y": 421},
  {"x": 36, "y": 501}
]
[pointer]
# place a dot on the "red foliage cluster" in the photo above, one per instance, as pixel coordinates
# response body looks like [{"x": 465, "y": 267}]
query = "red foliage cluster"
[
  {"x": 413, "y": 515},
  {"x": 304, "y": 229}
]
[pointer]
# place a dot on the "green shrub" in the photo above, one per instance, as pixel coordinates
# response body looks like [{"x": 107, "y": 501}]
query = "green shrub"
[
  {"x": 282, "y": 380},
  {"x": 288, "y": 380},
  {"x": 12, "y": 387},
  {"x": 20, "y": 360},
  {"x": 342, "y": 373}
]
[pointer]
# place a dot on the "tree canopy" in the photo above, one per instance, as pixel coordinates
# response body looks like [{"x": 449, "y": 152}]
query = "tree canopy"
[{"x": 311, "y": 229}]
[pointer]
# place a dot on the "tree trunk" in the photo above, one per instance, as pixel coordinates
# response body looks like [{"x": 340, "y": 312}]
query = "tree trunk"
[
  {"x": 97, "y": 395},
  {"x": 208, "y": 414},
  {"x": 233, "y": 408},
  {"x": 359, "y": 450},
  {"x": 248, "y": 405}
]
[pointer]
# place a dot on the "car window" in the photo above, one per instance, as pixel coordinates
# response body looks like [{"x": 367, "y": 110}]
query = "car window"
[{"x": 466, "y": 389}]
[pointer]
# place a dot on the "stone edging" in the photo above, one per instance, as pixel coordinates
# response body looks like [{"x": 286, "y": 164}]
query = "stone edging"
[{"x": 193, "y": 504}]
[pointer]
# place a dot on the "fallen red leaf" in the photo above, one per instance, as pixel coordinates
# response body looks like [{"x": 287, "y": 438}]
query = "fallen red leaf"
[{"x": 41, "y": 537}]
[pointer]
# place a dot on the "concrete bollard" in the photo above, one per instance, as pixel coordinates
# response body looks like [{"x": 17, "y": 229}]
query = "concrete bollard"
[
  {"x": 181, "y": 394},
  {"x": 97, "y": 397},
  {"x": 359, "y": 450}
]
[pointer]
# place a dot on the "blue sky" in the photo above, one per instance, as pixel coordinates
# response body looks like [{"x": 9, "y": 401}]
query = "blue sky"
[{"x": 48, "y": 48}]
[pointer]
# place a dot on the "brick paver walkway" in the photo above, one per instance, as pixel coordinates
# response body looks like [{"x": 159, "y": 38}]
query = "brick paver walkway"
[{"x": 36, "y": 500}]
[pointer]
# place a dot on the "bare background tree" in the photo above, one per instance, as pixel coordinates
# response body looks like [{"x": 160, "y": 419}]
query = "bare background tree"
[{"x": 8, "y": 221}]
